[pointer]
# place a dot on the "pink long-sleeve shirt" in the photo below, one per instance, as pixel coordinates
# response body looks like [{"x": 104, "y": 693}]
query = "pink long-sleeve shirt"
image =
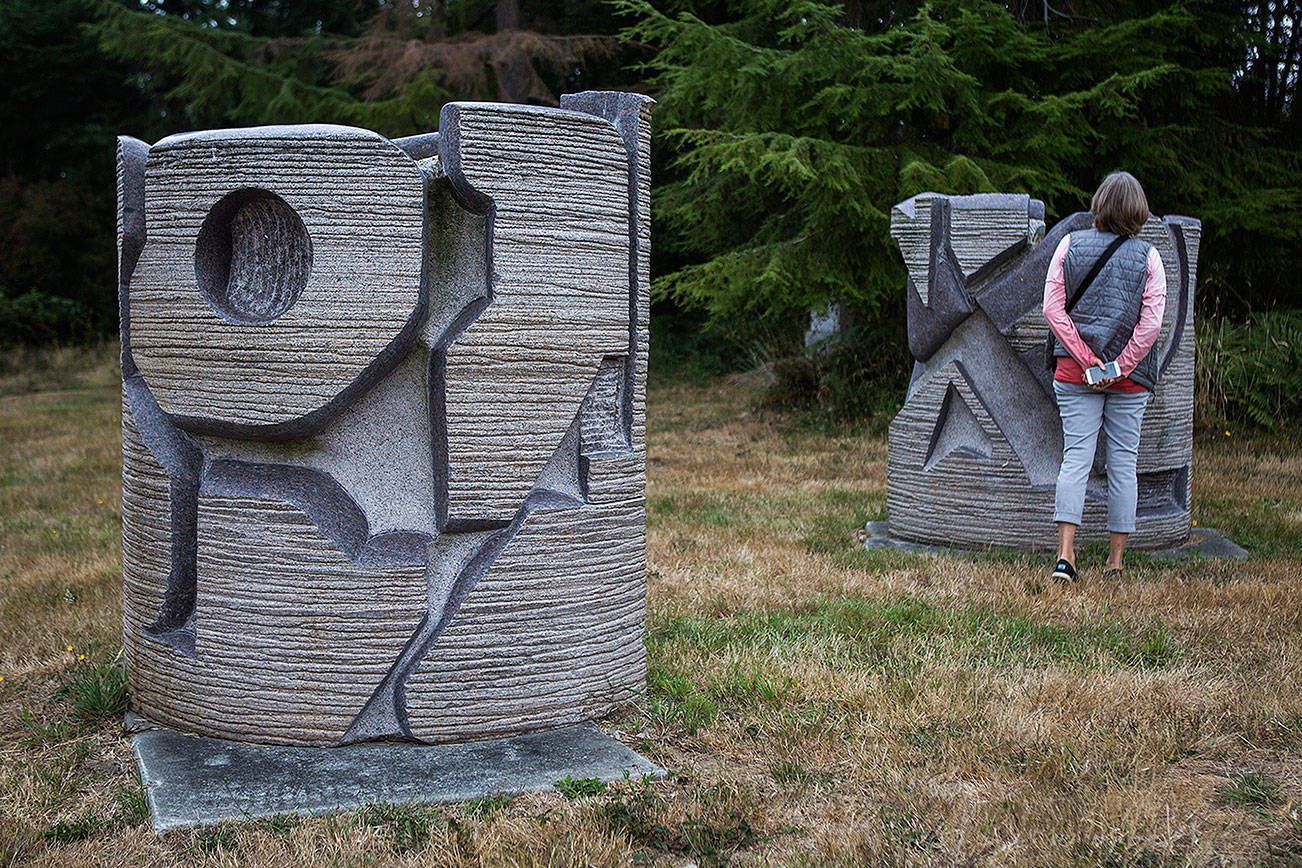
[{"x": 1141, "y": 340}]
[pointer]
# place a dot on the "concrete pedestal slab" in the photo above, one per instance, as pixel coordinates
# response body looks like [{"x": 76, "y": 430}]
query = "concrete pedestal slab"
[{"x": 194, "y": 781}]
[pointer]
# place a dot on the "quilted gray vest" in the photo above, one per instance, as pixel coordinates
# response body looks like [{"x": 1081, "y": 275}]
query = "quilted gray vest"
[{"x": 1108, "y": 312}]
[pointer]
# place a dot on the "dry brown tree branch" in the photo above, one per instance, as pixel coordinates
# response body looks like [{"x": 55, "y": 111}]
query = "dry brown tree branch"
[{"x": 504, "y": 66}]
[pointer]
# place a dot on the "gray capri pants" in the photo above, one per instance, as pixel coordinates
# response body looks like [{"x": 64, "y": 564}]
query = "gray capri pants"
[{"x": 1120, "y": 415}]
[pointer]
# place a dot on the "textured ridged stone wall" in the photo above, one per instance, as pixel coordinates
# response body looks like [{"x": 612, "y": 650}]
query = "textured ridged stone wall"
[
  {"x": 974, "y": 453},
  {"x": 383, "y": 424}
]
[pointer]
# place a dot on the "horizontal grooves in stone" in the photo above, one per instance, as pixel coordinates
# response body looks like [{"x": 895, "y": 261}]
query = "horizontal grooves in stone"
[
  {"x": 292, "y": 636},
  {"x": 953, "y": 504},
  {"x": 969, "y": 500},
  {"x": 559, "y": 186},
  {"x": 362, "y": 203}
]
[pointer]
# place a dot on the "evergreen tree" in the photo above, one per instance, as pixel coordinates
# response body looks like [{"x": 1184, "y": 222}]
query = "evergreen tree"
[
  {"x": 79, "y": 72},
  {"x": 63, "y": 103},
  {"x": 791, "y": 134},
  {"x": 392, "y": 76}
]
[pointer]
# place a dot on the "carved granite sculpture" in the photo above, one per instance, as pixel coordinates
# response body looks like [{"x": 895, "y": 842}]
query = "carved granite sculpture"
[
  {"x": 974, "y": 454},
  {"x": 383, "y": 424}
]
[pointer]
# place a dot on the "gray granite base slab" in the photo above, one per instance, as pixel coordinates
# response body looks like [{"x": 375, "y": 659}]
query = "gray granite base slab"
[
  {"x": 1203, "y": 542},
  {"x": 194, "y": 781}
]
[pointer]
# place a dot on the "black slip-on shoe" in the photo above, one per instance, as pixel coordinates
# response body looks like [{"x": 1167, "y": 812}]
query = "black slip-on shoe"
[{"x": 1064, "y": 572}]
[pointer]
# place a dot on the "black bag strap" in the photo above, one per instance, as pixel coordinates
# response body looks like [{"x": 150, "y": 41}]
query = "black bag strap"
[{"x": 1094, "y": 271}]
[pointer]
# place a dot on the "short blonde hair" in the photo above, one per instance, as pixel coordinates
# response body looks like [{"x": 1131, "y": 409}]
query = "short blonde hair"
[{"x": 1119, "y": 205}]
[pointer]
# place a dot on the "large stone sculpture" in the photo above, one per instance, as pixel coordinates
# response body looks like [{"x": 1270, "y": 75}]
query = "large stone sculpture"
[
  {"x": 383, "y": 441},
  {"x": 974, "y": 454}
]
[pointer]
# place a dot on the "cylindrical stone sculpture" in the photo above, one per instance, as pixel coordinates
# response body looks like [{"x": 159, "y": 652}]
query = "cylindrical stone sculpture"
[
  {"x": 973, "y": 456},
  {"x": 383, "y": 424}
]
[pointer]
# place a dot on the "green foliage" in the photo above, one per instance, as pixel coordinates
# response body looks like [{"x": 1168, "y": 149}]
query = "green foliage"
[
  {"x": 225, "y": 76},
  {"x": 572, "y": 788},
  {"x": 1251, "y": 372},
  {"x": 97, "y": 691},
  {"x": 407, "y": 827},
  {"x": 901, "y": 634},
  {"x": 794, "y": 135},
  {"x": 133, "y": 807},
  {"x": 788, "y": 135},
  {"x": 216, "y": 839},
  {"x": 687, "y": 346},
  {"x": 94, "y": 692},
  {"x": 41, "y": 731},
  {"x": 1252, "y": 788},
  {"x": 280, "y": 825},
  {"x": 78, "y": 829},
  {"x": 672, "y": 699},
  {"x": 271, "y": 17},
  {"x": 36, "y": 318},
  {"x": 63, "y": 103},
  {"x": 710, "y": 838},
  {"x": 79, "y": 72},
  {"x": 494, "y": 803},
  {"x": 860, "y": 379}
]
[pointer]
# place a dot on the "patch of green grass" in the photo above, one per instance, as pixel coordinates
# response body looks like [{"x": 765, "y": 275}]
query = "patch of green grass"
[
  {"x": 215, "y": 839},
  {"x": 691, "y": 508},
  {"x": 280, "y": 825},
  {"x": 86, "y": 826},
  {"x": 908, "y": 831},
  {"x": 932, "y": 735},
  {"x": 709, "y": 840},
  {"x": 572, "y": 788},
  {"x": 832, "y": 533},
  {"x": 853, "y": 501},
  {"x": 133, "y": 807},
  {"x": 405, "y": 827},
  {"x": 15, "y": 841},
  {"x": 41, "y": 731},
  {"x": 674, "y": 699},
  {"x": 1262, "y": 525},
  {"x": 754, "y": 689},
  {"x": 789, "y": 772},
  {"x": 901, "y": 633},
  {"x": 488, "y": 805},
  {"x": 1121, "y": 854},
  {"x": 713, "y": 843},
  {"x": 97, "y": 691},
  {"x": 1252, "y": 789}
]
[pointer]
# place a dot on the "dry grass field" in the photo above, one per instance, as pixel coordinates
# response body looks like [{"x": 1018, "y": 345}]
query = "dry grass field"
[{"x": 815, "y": 703}]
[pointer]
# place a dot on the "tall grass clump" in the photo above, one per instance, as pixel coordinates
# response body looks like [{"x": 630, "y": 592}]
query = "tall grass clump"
[
  {"x": 1250, "y": 372},
  {"x": 97, "y": 691}
]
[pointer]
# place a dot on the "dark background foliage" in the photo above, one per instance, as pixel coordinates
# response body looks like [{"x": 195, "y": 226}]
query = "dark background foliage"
[{"x": 785, "y": 132}]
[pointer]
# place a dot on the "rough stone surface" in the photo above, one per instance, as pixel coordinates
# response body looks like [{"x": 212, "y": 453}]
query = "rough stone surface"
[
  {"x": 358, "y": 198},
  {"x": 1204, "y": 542},
  {"x": 422, "y": 521},
  {"x": 974, "y": 453},
  {"x": 559, "y": 300},
  {"x": 195, "y": 781}
]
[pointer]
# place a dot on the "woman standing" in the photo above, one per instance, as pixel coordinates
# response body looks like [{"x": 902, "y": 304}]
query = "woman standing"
[{"x": 1116, "y": 317}]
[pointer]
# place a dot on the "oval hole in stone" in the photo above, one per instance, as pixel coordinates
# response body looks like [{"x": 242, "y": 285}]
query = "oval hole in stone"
[{"x": 253, "y": 256}]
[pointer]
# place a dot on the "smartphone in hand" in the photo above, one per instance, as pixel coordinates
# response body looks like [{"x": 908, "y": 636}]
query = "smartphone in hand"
[{"x": 1099, "y": 373}]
